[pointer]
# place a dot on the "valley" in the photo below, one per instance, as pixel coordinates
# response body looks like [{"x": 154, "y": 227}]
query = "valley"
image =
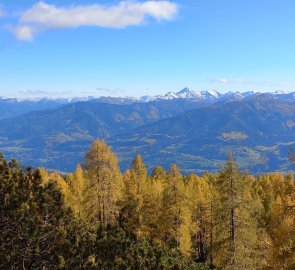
[{"x": 196, "y": 130}]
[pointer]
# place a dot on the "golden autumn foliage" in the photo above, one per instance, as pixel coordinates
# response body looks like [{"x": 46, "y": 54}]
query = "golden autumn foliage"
[
  {"x": 229, "y": 220},
  {"x": 104, "y": 185}
]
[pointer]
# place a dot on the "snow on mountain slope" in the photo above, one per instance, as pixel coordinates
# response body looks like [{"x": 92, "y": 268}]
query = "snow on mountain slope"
[{"x": 186, "y": 93}]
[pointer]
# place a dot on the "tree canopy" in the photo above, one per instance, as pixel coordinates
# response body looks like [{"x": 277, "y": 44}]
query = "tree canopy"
[{"x": 100, "y": 218}]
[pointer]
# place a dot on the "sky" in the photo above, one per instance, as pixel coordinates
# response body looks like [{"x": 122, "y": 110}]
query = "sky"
[{"x": 135, "y": 48}]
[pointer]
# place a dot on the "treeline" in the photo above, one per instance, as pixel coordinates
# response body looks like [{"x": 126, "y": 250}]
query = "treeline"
[{"x": 99, "y": 218}]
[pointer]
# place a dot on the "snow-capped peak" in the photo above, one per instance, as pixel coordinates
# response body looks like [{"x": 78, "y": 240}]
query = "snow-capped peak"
[
  {"x": 214, "y": 93},
  {"x": 187, "y": 93},
  {"x": 282, "y": 92},
  {"x": 206, "y": 96},
  {"x": 170, "y": 95}
]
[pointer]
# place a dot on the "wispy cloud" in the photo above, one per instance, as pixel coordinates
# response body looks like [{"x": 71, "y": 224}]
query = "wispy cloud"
[
  {"x": 103, "y": 91},
  {"x": 259, "y": 84},
  {"x": 23, "y": 32},
  {"x": 220, "y": 80},
  {"x": 112, "y": 91},
  {"x": 286, "y": 85},
  {"x": 43, "y": 16},
  {"x": 237, "y": 81},
  {"x": 30, "y": 92},
  {"x": 2, "y": 13}
]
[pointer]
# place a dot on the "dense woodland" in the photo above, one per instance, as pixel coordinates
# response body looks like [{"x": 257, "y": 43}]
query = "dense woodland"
[{"x": 99, "y": 218}]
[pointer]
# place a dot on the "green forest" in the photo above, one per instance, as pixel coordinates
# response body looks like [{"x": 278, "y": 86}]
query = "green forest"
[{"x": 101, "y": 218}]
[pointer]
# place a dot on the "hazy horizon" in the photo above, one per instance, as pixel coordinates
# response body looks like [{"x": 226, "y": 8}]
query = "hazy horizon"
[{"x": 68, "y": 95}]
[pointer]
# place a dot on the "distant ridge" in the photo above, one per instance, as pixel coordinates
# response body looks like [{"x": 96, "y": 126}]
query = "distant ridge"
[
  {"x": 206, "y": 96},
  {"x": 195, "y": 129},
  {"x": 185, "y": 93}
]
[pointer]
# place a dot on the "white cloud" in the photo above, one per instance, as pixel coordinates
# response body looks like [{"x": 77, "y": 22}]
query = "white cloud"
[
  {"x": 23, "y": 32},
  {"x": 43, "y": 16},
  {"x": 224, "y": 80},
  {"x": 286, "y": 85},
  {"x": 30, "y": 92},
  {"x": 112, "y": 91},
  {"x": 230, "y": 81},
  {"x": 254, "y": 84},
  {"x": 2, "y": 13},
  {"x": 221, "y": 80}
]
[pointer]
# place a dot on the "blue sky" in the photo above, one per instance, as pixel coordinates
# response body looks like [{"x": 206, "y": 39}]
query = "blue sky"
[{"x": 134, "y": 48}]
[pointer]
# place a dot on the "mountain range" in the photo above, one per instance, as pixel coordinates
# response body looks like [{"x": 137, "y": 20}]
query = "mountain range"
[
  {"x": 196, "y": 130},
  {"x": 11, "y": 107}
]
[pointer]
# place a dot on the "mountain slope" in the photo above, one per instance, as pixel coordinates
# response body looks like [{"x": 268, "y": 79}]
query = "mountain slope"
[
  {"x": 93, "y": 118},
  {"x": 11, "y": 107},
  {"x": 258, "y": 131},
  {"x": 47, "y": 137}
]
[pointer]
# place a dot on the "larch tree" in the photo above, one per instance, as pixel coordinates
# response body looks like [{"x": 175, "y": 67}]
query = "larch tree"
[
  {"x": 199, "y": 199},
  {"x": 281, "y": 226},
  {"x": 78, "y": 187},
  {"x": 104, "y": 186},
  {"x": 155, "y": 197},
  {"x": 176, "y": 215},
  {"x": 236, "y": 229},
  {"x": 137, "y": 188}
]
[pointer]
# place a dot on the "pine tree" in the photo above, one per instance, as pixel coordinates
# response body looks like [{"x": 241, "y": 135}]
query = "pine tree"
[{"x": 32, "y": 219}]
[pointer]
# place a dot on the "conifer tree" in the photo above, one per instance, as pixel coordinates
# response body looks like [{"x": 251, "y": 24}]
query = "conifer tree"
[
  {"x": 176, "y": 215},
  {"x": 139, "y": 174},
  {"x": 281, "y": 226},
  {"x": 200, "y": 201},
  {"x": 155, "y": 197},
  {"x": 159, "y": 174},
  {"x": 104, "y": 185},
  {"x": 137, "y": 191},
  {"x": 31, "y": 219},
  {"x": 78, "y": 188},
  {"x": 236, "y": 229}
]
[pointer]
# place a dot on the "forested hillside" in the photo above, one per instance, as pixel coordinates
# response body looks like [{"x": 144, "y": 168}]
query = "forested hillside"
[
  {"x": 44, "y": 138},
  {"x": 258, "y": 130},
  {"x": 101, "y": 218}
]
